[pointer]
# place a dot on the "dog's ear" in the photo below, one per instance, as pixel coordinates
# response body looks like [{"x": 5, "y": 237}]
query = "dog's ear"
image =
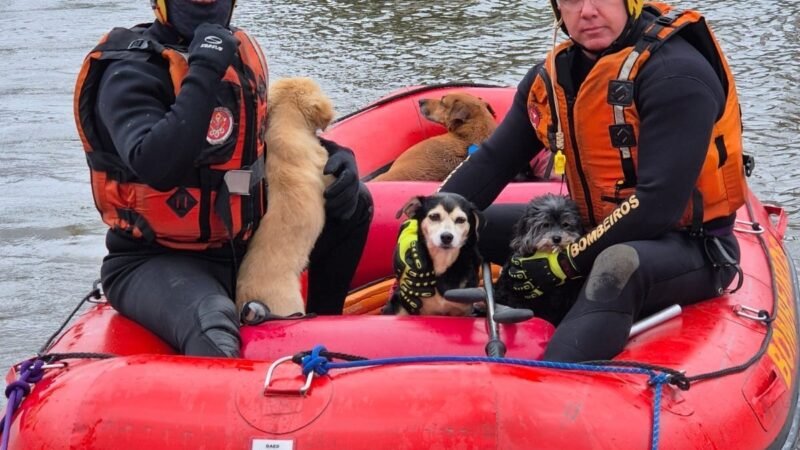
[
  {"x": 410, "y": 208},
  {"x": 477, "y": 219},
  {"x": 459, "y": 114},
  {"x": 322, "y": 113}
]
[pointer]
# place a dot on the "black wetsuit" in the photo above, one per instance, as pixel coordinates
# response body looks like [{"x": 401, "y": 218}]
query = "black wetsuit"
[
  {"x": 643, "y": 263},
  {"x": 185, "y": 296}
]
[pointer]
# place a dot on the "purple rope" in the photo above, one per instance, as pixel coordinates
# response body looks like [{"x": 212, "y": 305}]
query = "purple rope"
[{"x": 29, "y": 372}]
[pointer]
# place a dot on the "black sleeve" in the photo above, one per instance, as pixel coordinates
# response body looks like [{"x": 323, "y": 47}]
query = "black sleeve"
[
  {"x": 157, "y": 139},
  {"x": 679, "y": 98},
  {"x": 484, "y": 174}
]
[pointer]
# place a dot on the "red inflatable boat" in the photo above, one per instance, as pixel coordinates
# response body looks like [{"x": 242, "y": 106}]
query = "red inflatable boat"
[{"x": 721, "y": 375}]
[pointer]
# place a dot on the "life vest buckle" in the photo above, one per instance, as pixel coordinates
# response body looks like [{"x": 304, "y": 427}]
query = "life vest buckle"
[
  {"x": 238, "y": 181},
  {"x": 749, "y": 164},
  {"x": 622, "y": 135},
  {"x": 139, "y": 44},
  {"x": 620, "y": 93},
  {"x": 667, "y": 19}
]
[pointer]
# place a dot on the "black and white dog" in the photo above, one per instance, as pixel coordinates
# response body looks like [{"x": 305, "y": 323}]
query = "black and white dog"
[
  {"x": 448, "y": 228},
  {"x": 550, "y": 223}
]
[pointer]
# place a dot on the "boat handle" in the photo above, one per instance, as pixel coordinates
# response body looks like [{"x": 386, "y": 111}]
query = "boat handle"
[
  {"x": 754, "y": 227},
  {"x": 782, "y": 219},
  {"x": 272, "y": 391},
  {"x": 751, "y": 313}
]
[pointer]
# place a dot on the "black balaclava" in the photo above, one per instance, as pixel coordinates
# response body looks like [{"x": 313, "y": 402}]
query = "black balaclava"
[{"x": 185, "y": 15}]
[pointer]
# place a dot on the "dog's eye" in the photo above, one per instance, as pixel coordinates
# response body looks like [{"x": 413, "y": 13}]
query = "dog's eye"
[
  {"x": 460, "y": 220},
  {"x": 546, "y": 225},
  {"x": 435, "y": 217},
  {"x": 566, "y": 226}
]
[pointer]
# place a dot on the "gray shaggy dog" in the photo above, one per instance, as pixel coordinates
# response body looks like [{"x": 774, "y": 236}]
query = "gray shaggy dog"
[{"x": 550, "y": 223}]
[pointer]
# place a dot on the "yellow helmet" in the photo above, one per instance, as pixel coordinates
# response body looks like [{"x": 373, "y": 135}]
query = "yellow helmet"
[
  {"x": 634, "y": 8},
  {"x": 160, "y": 9}
]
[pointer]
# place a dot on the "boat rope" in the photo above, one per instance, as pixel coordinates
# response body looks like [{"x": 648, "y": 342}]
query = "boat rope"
[
  {"x": 763, "y": 315},
  {"x": 95, "y": 294},
  {"x": 319, "y": 362},
  {"x": 299, "y": 358},
  {"x": 31, "y": 371}
]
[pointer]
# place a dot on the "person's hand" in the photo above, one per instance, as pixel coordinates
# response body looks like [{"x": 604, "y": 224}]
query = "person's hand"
[
  {"x": 532, "y": 276},
  {"x": 412, "y": 267},
  {"x": 341, "y": 197},
  {"x": 213, "y": 46}
]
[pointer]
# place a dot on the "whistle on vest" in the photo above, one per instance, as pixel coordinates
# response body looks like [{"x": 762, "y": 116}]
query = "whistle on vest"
[{"x": 559, "y": 163}]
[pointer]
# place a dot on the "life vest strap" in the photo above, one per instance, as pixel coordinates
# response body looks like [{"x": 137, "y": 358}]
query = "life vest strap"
[
  {"x": 222, "y": 205},
  {"x": 207, "y": 185},
  {"x": 650, "y": 38},
  {"x": 136, "y": 222},
  {"x": 696, "y": 228}
]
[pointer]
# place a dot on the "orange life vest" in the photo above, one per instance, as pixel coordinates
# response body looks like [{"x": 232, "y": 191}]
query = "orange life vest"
[
  {"x": 600, "y": 130},
  {"x": 228, "y": 198}
]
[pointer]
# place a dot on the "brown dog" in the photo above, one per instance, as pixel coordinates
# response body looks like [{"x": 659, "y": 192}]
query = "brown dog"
[
  {"x": 469, "y": 120},
  {"x": 278, "y": 251}
]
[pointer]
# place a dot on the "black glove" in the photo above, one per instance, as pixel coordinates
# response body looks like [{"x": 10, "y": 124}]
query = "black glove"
[
  {"x": 341, "y": 197},
  {"x": 213, "y": 46},
  {"x": 535, "y": 275}
]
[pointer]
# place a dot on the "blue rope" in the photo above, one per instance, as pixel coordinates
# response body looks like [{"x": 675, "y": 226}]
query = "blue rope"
[
  {"x": 658, "y": 381},
  {"x": 321, "y": 365},
  {"x": 29, "y": 372},
  {"x": 315, "y": 362}
]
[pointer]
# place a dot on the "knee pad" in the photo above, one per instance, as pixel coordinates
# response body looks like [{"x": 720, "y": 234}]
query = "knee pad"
[{"x": 611, "y": 272}]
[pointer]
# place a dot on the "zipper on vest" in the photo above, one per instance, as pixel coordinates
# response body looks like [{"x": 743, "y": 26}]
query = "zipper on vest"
[{"x": 577, "y": 155}]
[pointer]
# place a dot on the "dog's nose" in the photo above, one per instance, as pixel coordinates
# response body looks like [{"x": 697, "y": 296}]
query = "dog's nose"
[
  {"x": 556, "y": 239},
  {"x": 447, "y": 238}
]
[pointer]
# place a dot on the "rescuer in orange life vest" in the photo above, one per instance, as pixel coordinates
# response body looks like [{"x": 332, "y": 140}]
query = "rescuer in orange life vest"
[
  {"x": 642, "y": 105},
  {"x": 172, "y": 116}
]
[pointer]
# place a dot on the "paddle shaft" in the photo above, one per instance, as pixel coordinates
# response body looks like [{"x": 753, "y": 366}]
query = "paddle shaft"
[{"x": 495, "y": 347}]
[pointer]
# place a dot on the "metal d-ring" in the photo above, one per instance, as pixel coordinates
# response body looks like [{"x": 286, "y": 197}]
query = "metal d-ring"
[
  {"x": 303, "y": 389},
  {"x": 751, "y": 313},
  {"x": 755, "y": 227}
]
